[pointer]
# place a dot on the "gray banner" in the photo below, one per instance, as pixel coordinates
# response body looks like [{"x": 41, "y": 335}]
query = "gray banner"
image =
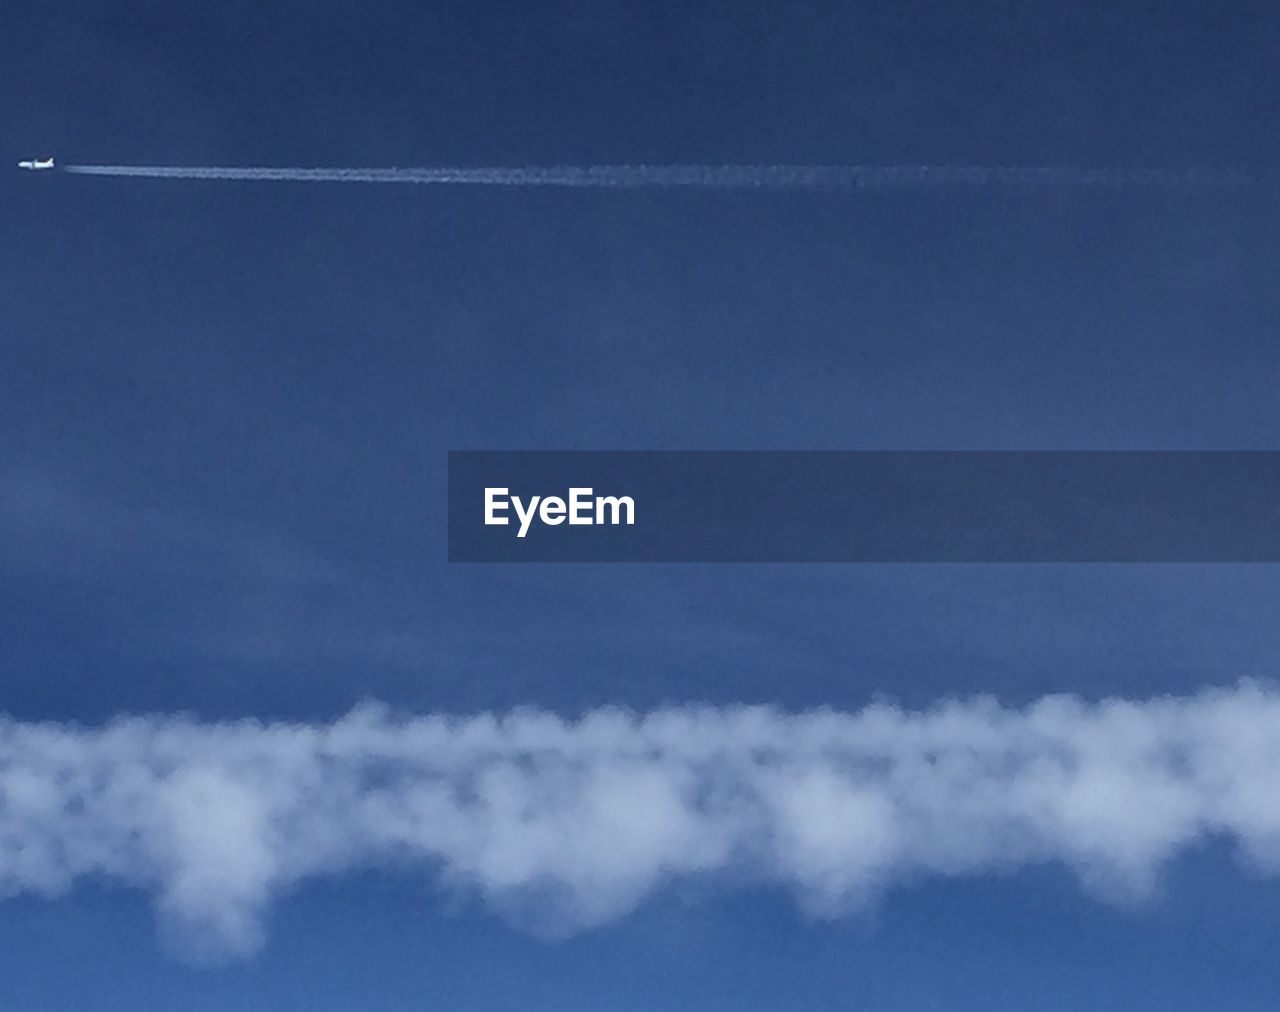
[{"x": 565, "y": 506}]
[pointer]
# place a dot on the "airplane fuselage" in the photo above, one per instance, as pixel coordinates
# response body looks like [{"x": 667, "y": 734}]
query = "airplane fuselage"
[{"x": 37, "y": 163}]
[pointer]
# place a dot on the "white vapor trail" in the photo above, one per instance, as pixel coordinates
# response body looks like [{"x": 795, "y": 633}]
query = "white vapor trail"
[
  {"x": 574, "y": 822},
  {"x": 764, "y": 177}
]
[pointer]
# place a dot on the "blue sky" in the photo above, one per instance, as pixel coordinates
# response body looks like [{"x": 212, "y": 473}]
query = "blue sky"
[{"x": 225, "y": 408}]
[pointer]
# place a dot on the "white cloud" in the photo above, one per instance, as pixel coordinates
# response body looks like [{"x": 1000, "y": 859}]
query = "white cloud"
[{"x": 571, "y": 823}]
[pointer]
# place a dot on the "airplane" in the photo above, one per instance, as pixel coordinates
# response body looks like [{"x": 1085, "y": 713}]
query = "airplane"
[{"x": 38, "y": 163}]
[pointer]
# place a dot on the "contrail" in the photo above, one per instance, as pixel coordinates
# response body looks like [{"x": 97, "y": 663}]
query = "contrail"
[{"x": 721, "y": 177}]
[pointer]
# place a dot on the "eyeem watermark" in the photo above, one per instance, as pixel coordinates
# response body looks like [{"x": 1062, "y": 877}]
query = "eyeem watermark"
[
  {"x": 865, "y": 506},
  {"x": 582, "y": 508}
]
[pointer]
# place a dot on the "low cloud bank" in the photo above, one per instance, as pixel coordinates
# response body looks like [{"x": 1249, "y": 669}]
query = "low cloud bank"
[{"x": 572, "y": 823}]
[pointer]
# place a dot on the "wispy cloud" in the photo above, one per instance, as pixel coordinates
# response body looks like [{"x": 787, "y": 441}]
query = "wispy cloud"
[
  {"x": 52, "y": 525},
  {"x": 576, "y": 821},
  {"x": 208, "y": 586}
]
